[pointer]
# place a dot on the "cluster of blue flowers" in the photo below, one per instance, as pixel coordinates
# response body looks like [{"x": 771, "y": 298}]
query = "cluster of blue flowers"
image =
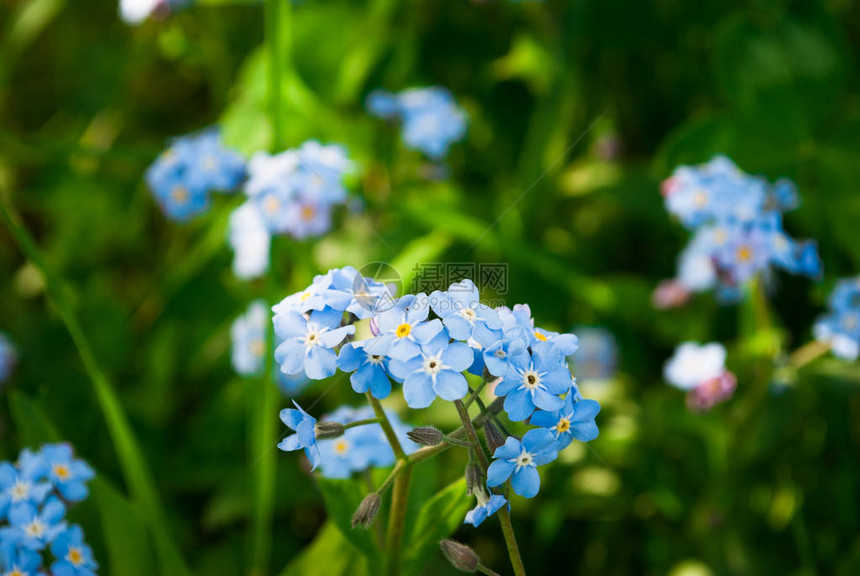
[
  {"x": 184, "y": 175},
  {"x": 34, "y": 493},
  {"x": 8, "y": 357},
  {"x": 292, "y": 193},
  {"x": 840, "y": 328},
  {"x": 738, "y": 235},
  {"x": 249, "y": 351},
  {"x": 431, "y": 119},
  {"x": 356, "y": 450},
  {"x": 429, "y": 356}
]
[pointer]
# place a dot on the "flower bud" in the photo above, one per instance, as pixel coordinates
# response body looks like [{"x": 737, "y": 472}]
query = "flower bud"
[
  {"x": 367, "y": 510},
  {"x": 494, "y": 436},
  {"x": 460, "y": 556},
  {"x": 474, "y": 477},
  {"x": 326, "y": 430},
  {"x": 425, "y": 435}
]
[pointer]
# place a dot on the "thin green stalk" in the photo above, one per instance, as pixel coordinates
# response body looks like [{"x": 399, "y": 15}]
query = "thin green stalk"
[
  {"x": 134, "y": 467},
  {"x": 277, "y": 14},
  {"x": 400, "y": 494},
  {"x": 808, "y": 353},
  {"x": 356, "y": 423},
  {"x": 264, "y": 433},
  {"x": 504, "y": 516}
]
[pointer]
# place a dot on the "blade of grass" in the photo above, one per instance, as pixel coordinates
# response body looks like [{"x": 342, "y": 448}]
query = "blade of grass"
[{"x": 134, "y": 467}]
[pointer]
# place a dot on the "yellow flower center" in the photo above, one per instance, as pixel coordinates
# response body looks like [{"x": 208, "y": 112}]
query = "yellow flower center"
[
  {"x": 305, "y": 296},
  {"x": 745, "y": 254},
  {"x": 720, "y": 236},
  {"x": 700, "y": 199},
  {"x": 563, "y": 425},
  {"x": 179, "y": 194},
  {"x": 15, "y": 572},
  {"x": 540, "y": 336},
  {"x": 74, "y": 556},
  {"x": 308, "y": 212},
  {"x": 258, "y": 347},
  {"x": 341, "y": 446},
  {"x": 403, "y": 330},
  {"x": 272, "y": 205},
  {"x": 61, "y": 471}
]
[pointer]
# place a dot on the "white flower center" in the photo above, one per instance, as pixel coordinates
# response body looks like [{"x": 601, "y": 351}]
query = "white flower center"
[
  {"x": 849, "y": 321},
  {"x": 531, "y": 380},
  {"x": 312, "y": 338},
  {"x": 432, "y": 365},
  {"x": 375, "y": 358},
  {"x": 468, "y": 314},
  {"x": 524, "y": 459},
  {"x": 20, "y": 491},
  {"x": 500, "y": 354},
  {"x": 35, "y": 529},
  {"x": 209, "y": 163}
]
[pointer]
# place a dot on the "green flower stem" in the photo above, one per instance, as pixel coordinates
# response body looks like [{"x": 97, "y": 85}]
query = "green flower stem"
[
  {"x": 400, "y": 495},
  {"x": 277, "y": 22},
  {"x": 132, "y": 462},
  {"x": 263, "y": 429},
  {"x": 475, "y": 396},
  {"x": 503, "y": 514},
  {"x": 808, "y": 353},
  {"x": 364, "y": 422}
]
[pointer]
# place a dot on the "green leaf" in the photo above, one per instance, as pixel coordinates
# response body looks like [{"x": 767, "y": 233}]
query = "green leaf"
[
  {"x": 439, "y": 518},
  {"x": 342, "y": 498},
  {"x": 32, "y": 426},
  {"x": 124, "y": 531},
  {"x": 328, "y": 554}
]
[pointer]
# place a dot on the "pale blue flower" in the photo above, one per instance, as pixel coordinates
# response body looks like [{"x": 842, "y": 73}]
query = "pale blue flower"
[
  {"x": 362, "y": 446},
  {"x": 307, "y": 343},
  {"x": 431, "y": 119},
  {"x": 304, "y": 438},
  {"x": 518, "y": 460},
  {"x": 464, "y": 315},
  {"x": 248, "y": 334},
  {"x": 404, "y": 328},
  {"x": 840, "y": 327},
  {"x": 182, "y": 178},
  {"x": 535, "y": 379},
  {"x": 74, "y": 556},
  {"x": 21, "y": 487},
  {"x": 486, "y": 507},
  {"x": 437, "y": 370},
  {"x": 68, "y": 475},
  {"x": 574, "y": 420},
  {"x": 369, "y": 369},
  {"x": 34, "y": 528}
]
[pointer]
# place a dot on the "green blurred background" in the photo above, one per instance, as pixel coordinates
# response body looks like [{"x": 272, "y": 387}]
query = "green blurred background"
[{"x": 588, "y": 105}]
